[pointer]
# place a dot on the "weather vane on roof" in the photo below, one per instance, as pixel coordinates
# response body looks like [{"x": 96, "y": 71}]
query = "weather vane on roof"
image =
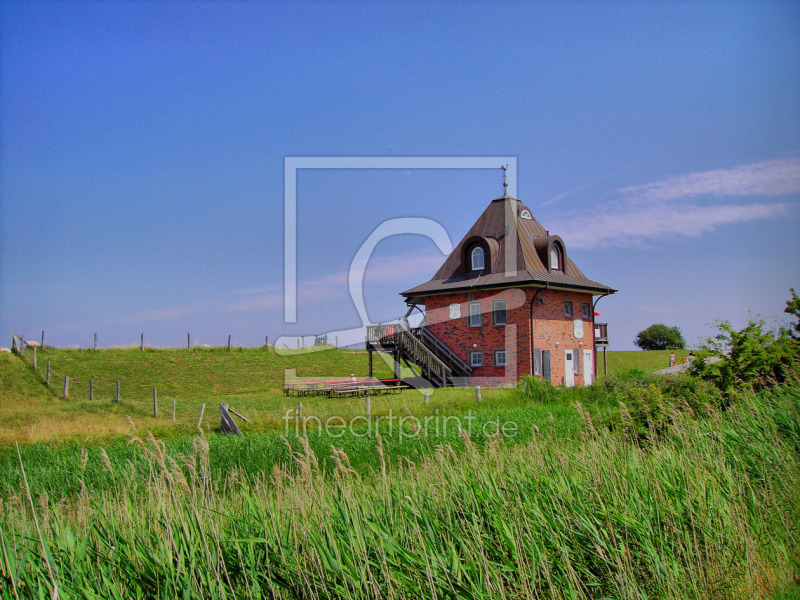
[{"x": 505, "y": 182}]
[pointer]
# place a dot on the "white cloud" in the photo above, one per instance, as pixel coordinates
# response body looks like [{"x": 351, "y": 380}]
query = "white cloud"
[
  {"x": 776, "y": 177},
  {"x": 686, "y": 205},
  {"x": 384, "y": 269},
  {"x": 620, "y": 227}
]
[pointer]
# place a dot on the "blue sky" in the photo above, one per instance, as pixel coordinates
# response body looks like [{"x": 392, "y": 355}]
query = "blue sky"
[{"x": 142, "y": 149}]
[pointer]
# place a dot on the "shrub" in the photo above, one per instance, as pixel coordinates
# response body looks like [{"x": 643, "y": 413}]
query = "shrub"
[
  {"x": 540, "y": 390},
  {"x": 750, "y": 358}
]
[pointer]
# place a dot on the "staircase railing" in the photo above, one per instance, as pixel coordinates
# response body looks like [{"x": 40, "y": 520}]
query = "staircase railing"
[
  {"x": 450, "y": 358},
  {"x": 415, "y": 350}
]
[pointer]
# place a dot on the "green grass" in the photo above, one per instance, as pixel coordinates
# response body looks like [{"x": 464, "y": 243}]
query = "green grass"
[
  {"x": 647, "y": 360},
  {"x": 577, "y": 503},
  {"x": 250, "y": 380},
  {"x": 706, "y": 509}
]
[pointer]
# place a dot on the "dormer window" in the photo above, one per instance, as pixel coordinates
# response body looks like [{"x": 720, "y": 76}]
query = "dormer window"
[
  {"x": 477, "y": 259},
  {"x": 555, "y": 258}
]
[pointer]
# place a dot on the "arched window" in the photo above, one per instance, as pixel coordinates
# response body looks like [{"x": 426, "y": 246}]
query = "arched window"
[
  {"x": 555, "y": 258},
  {"x": 477, "y": 259}
]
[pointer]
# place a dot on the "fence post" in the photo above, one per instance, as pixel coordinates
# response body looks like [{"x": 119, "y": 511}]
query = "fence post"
[
  {"x": 200, "y": 422},
  {"x": 66, "y": 385},
  {"x": 95, "y": 341},
  {"x": 155, "y": 404},
  {"x": 229, "y": 342},
  {"x": 300, "y": 411},
  {"x": 34, "y": 358},
  {"x": 117, "y": 400},
  {"x": 47, "y": 377},
  {"x": 91, "y": 389},
  {"x": 427, "y": 396},
  {"x": 266, "y": 341},
  {"x": 42, "y": 344},
  {"x": 369, "y": 411},
  {"x": 173, "y": 410},
  {"x": 188, "y": 341},
  {"x": 478, "y": 393},
  {"x": 141, "y": 343}
]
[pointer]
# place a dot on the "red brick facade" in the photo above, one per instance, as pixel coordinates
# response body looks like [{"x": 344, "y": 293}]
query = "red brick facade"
[{"x": 552, "y": 330}]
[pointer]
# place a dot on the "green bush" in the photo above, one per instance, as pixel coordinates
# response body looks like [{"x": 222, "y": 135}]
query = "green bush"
[{"x": 752, "y": 357}]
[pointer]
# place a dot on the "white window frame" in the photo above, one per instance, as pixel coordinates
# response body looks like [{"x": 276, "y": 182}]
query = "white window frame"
[
  {"x": 498, "y": 305},
  {"x": 555, "y": 252},
  {"x": 496, "y": 358},
  {"x": 471, "y": 314},
  {"x": 477, "y": 252},
  {"x": 476, "y": 358},
  {"x": 569, "y": 309}
]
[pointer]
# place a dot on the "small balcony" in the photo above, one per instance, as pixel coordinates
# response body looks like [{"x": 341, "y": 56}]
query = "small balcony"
[
  {"x": 382, "y": 335},
  {"x": 601, "y": 334}
]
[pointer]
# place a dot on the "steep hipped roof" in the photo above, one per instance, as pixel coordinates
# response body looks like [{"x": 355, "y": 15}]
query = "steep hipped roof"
[{"x": 508, "y": 233}]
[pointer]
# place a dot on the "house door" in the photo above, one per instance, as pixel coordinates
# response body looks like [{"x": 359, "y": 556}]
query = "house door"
[
  {"x": 588, "y": 367},
  {"x": 569, "y": 366}
]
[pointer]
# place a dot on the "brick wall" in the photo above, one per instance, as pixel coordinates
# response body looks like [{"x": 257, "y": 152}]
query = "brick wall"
[{"x": 552, "y": 330}]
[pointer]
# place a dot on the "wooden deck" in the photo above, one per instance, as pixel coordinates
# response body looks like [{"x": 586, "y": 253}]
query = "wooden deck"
[{"x": 338, "y": 389}]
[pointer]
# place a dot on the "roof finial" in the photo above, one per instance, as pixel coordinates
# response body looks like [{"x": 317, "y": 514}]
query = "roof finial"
[{"x": 505, "y": 182}]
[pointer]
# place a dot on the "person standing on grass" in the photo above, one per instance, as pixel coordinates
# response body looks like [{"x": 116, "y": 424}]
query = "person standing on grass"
[
  {"x": 353, "y": 378},
  {"x": 671, "y": 359}
]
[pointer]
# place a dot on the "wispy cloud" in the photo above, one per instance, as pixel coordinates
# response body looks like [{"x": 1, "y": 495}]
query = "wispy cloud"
[
  {"x": 629, "y": 228},
  {"x": 580, "y": 188},
  {"x": 161, "y": 314},
  {"x": 685, "y": 205},
  {"x": 384, "y": 269},
  {"x": 776, "y": 177}
]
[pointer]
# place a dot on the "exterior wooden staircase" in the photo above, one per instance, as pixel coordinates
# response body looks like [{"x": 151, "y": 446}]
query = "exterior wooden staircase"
[{"x": 438, "y": 364}]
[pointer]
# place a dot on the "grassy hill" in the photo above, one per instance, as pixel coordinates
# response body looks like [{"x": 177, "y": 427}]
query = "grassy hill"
[{"x": 250, "y": 379}]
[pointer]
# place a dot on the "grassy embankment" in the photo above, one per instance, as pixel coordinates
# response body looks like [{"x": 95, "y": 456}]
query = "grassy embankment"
[
  {"x": 56, "y": 433},
  {"x": 251, "y": 380},
  {"x": 702, "y": 505}
]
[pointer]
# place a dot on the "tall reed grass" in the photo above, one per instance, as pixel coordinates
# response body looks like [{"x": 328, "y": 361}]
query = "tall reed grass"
[{"x": 705, "y": 508}]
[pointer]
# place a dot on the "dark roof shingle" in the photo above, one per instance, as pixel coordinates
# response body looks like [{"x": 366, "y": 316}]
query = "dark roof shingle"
[{"x": 511, "y": 239}]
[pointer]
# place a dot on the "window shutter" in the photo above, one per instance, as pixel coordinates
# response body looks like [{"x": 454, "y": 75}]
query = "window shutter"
[
  {"x": 576, "y": 363},
  {"x": 546, "y": 365},
  {"x": 537, "y": 361}
]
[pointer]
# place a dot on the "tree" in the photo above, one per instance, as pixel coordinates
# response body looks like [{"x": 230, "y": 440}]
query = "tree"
[
  {"x": 753, "y": 356},
  {"x": 660, "y": 337},
  {"x": 793, "y": 308}
]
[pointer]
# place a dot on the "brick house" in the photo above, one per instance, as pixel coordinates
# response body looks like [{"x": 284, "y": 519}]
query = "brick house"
[{"x": 510, "y": 301}]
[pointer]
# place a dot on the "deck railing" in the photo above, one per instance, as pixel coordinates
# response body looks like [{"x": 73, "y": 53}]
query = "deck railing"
[
  {"x": 382, "y": 334},
  {"x": 601, "y": 334}
]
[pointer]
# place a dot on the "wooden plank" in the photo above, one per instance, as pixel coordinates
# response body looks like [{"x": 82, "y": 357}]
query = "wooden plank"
[
  {"x": 242, "y": 417},
  {"x": 228, "y": 425}
]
